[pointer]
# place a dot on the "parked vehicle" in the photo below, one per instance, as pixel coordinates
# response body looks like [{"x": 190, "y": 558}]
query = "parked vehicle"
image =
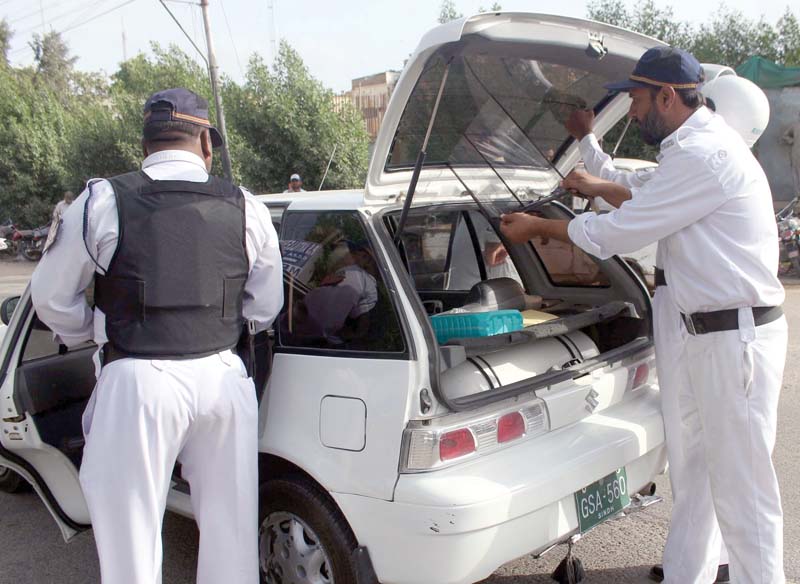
[
  {"x": 789, "y": 235},
  {"x": 397, "y": 445},
  {"x": 30, "y": 242}
]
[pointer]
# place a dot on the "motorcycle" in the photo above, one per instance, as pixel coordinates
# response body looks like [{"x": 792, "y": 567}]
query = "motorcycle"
[
  {"x": 30, "y": 242},
  {"x": 789, "y": 235}
]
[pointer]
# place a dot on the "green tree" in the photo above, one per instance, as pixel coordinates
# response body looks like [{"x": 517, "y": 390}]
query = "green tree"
[
  {"x": 54, "y": 65},
  {"x": 495, "y": 7},
  {"x": 33, "y": 169},
  {"x": 789, "y": 39},
  {"x": 286, "y": 121},
  {"x": 5, "y": 42},
  {"x": 448, "y": 12}
]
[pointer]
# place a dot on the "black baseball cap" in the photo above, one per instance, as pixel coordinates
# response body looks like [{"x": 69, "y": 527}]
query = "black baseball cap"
[
  {"x": 660, "y": 67},
  {"x": 180, "y": 105}
]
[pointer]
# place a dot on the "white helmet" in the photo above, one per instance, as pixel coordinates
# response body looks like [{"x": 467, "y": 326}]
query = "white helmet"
[{"x": 741, "y": 102}]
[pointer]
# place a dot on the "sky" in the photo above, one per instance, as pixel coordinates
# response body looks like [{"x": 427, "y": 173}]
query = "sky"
[{"x": 339, "y": 40}]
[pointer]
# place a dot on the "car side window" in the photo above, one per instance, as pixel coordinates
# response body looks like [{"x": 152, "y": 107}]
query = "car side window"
[
  {"x": 335, "y": 296},
  {"x": 454, "y": 250},
  {"x": 40, "y": 343}
]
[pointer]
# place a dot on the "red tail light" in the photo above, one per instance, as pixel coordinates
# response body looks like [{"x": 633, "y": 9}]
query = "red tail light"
[
  {"x": 510, "y": 427},
  {"x": 17, "y": 235},
  {"x": 641, "y": 375},
  {"x": 456, "y": 443}
]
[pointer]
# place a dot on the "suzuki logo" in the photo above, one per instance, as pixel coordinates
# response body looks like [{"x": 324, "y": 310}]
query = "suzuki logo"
[{"x": 592, "y": 401}]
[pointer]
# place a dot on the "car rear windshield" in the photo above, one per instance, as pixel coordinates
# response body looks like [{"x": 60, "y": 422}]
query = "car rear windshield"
[{"x": 510, "y": 110}]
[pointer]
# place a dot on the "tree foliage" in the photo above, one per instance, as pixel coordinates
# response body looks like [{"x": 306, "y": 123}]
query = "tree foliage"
[
  {"x": 729, "y": 39},
  {"x": 286, "y": 122},
  {"x": 448, "y": 12},
  {"x": 63, "y": 127}
]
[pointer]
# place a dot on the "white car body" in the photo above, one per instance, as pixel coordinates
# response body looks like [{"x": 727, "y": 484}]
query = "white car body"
[{"x": 346, "y": 421}]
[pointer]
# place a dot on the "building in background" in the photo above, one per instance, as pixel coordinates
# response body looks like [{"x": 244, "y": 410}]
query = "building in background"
[{"x": 370, "y": 95}]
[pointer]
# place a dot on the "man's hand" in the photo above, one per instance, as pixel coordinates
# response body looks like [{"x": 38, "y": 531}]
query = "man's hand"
[
  {"x": 520, "y": 227},
  {"x": 583, "y": 184},
  {"x": 580, "y": 123},
  {"x": 495, "y": 254}
]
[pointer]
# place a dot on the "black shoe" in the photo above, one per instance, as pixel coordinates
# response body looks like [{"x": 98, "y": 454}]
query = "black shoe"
[{"x": 723, "y": 575}]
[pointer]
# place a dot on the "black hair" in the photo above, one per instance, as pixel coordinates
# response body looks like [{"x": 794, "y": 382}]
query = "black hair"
[
  {"x": 691, "y": 98},
  {"x": 170, "y": 131}
]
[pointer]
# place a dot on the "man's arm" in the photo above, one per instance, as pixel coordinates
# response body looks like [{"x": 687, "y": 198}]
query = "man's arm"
[
  {"x": 263, "y": 291},
  {"x": 590, "y": 187},
  {"x": 597, "y": 162},
  {"x": 683, "y": 190},
  {"x": 60, "y": 280}
]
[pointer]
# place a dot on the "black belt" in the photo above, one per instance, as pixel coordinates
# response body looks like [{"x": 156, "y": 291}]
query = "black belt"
[
  {"x": 661, "y": 278},
  {"x": 701, "y": 323}
]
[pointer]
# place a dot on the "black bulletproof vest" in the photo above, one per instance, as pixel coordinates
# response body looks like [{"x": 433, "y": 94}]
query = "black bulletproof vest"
[{"x": 174, "y": 288}]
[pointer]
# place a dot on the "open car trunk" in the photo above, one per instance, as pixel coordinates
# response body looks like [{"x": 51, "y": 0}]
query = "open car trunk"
[{"x": 579, "y": 314}]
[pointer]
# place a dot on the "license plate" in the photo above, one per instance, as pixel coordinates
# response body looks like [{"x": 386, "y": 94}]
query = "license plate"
[
  {"x": 602, "y": 499},
  {"x": 794, "y": 253}
]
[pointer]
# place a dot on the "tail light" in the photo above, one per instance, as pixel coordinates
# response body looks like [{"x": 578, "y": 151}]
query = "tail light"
[
  {"x": 17, "y": 236},
  {"x": 456, "y": 444},
  {"x": 432, "y": 444},
  {"x": 639, "y": 375},
  {"x": 510, "y": 427}
]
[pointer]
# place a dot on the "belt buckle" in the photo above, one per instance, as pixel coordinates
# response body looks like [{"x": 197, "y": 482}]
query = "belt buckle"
[{"x": 688, "y": 320}]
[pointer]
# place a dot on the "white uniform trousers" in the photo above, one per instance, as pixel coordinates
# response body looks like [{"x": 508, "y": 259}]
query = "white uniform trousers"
[
  {"x": 143, "y": 416},
  {"x": 729, "y": 384},
  {"x": 686, "y": 551}
]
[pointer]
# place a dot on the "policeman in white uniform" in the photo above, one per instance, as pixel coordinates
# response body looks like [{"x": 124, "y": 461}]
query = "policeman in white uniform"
[
  {"x": 710, "y": 206},
  {"x": 745, "y": 108},
  {"x": 181, "y": 260}
]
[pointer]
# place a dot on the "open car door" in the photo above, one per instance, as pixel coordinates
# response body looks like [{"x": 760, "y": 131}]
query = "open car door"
[{"x": 43, "y": 391}]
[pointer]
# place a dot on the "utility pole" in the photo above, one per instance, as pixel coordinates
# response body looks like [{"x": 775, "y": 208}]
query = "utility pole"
[
  {"x": 124, "y": 41},
  {"x": 213, "y": 70}
]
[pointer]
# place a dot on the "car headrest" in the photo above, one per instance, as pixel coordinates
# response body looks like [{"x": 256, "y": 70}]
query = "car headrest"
[{"x": 496, "y": 294}]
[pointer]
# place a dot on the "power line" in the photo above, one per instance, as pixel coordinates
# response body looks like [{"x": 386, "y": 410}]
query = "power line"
[
  {"x": 66, "y": 14},
  {"x": 230, "y": 34},
  {"x": 80, "y": 24},
  {"x": 186, "y": 34}
]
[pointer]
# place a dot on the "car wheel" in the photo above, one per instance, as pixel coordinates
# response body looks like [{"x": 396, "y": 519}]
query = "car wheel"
[
  {"x": 303, "y": 537},
  {"x": 11, "y": 482}
]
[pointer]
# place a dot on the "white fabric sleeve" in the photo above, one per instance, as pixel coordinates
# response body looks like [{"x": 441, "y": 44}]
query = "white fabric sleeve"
[
  {"x": 600, "y": 164},
  {"x": 263, "y": 291},
  {"x": 683, "y": 190},
  {"x": 66, "y": 269}
]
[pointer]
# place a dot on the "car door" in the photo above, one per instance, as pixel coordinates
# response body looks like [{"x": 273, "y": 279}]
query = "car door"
[
  {"x": 338, "y": 395},
  {"x": 43, "y": 391}
]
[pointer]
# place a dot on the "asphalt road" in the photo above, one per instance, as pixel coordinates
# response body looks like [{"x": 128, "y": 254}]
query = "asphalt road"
[{"x": 620, "y": 551}]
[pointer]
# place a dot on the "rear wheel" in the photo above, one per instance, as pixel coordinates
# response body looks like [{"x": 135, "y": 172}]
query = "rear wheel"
[
  {"x": 11, "y": 482},
  {"x": 303, "y": 537}
]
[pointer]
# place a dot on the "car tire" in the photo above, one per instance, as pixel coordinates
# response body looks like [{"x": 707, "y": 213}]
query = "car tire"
[
  {"x": 11, "y": 482},
  {"x": 303, "y": 536}
]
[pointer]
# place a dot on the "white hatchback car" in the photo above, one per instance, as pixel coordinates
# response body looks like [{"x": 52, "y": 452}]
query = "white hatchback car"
[{"x": 397, "y": 443}]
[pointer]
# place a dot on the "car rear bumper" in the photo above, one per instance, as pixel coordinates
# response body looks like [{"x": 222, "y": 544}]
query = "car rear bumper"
[{"x": 458, "y": 525}]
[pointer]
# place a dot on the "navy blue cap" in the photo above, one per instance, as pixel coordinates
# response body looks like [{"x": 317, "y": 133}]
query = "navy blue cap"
[
  {"x": 180, "y": 105},
  {"x": 660, "y": 67}
]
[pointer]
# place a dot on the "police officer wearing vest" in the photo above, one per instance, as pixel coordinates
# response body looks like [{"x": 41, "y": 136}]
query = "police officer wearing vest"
[
  {"x": 709, "y": 205},
  {"x": 181, "y": 261}
]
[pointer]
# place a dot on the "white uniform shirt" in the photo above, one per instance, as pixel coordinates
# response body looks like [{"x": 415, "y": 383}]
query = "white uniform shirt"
[
  {"x": 66, "y": 270},
  {"x": 710, "y": 206},
  {"x": 600, "y": 164}
]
